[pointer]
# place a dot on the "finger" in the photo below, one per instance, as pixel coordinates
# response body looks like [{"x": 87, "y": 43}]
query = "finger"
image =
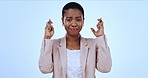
[
  {"x": 48, "y": 25},
  {"x": 51, "y": 28},
  {"x": 100, "y": 23},
  {"x": 48, "y": 37},
  {"x": 49, "y": 22},
  {"x": 52, "y": 32},
  {"x": 100, "y": 26},
  {"x": 100, "y": 20}
]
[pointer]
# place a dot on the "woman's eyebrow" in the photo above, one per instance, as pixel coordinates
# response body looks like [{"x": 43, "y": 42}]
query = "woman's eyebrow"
[
  {"x": 79, "y": 17},
  {"x": 75, "y": 17},
  {"x": 69, "y": 17}
]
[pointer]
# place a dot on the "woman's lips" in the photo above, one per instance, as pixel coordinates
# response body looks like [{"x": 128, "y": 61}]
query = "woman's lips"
[{"x": 73, "y": 29}]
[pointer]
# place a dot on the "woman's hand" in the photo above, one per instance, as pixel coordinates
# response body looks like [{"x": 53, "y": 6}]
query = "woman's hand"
[
  {"x": 49, "y": 30},
  {"x": 100, "y": 27}
]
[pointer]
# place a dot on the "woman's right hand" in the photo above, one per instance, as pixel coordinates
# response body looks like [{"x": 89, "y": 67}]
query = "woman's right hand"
[{"x": 49, "y": 30}]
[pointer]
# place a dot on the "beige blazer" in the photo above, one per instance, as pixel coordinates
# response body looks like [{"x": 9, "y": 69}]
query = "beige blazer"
[{"x": 94, "y": 54}]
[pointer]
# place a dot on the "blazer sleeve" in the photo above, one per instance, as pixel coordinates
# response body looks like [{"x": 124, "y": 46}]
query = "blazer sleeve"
[
  {"x": 45, "y": 60},
  {"x": 104, "y": 62}
]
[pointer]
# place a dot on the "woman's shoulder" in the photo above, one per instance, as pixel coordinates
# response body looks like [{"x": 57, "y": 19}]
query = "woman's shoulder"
[
  {"x": 58, "y": 40},
  {"x": 88, "y": 40}
]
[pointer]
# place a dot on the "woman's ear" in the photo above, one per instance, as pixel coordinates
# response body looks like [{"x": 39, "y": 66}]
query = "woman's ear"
[
  {"x": 62, "y": 21},
  {"x": 83, "y": 21}
]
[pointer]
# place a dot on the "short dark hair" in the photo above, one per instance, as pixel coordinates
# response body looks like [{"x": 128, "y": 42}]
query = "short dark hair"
[{"x": 72, "y": 5}]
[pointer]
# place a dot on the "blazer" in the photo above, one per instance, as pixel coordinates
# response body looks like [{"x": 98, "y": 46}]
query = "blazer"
[{"x": 94, "y": 53}]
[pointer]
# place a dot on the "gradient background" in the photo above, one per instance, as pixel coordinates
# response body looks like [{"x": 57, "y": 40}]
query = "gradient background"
[{"x": 22, "y": 28}]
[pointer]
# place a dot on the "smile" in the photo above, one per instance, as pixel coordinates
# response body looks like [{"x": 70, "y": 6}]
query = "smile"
[{"x": 74, "y": 29}]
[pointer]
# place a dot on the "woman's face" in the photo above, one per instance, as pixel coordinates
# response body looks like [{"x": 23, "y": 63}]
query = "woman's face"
[{"x": 73, "y": 21}]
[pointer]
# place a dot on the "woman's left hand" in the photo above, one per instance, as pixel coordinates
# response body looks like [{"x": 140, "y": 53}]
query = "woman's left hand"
[{"x": 100, "y": 27}]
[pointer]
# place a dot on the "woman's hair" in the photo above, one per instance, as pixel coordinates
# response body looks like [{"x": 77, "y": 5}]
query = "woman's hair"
[{"x": 72, "y": 5}]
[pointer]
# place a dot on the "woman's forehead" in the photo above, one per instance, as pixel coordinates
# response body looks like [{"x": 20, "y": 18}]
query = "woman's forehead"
[
  {"x": 73, "y": 13},
  {"x": 74, "y": 17}
]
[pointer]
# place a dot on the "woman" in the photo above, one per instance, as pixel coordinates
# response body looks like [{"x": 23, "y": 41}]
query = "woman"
[{"x": 74, "y": 56}]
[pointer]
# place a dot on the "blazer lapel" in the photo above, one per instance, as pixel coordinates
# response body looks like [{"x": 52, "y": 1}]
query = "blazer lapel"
[
  {"x": 63, "y": 54},
  {"x": 84, "y": 49}
]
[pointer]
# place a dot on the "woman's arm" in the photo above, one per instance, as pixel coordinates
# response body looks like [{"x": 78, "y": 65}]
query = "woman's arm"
[
  {"x": 45, "y": 60},
  {"x": 103, "y": 61}
]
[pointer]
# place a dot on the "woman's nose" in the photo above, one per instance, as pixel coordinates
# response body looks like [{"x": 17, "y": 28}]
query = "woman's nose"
[{"x": 74, "y": 23}]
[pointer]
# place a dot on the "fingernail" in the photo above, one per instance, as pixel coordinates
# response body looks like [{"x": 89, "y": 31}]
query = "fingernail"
[{"x": 49, "y": 19}]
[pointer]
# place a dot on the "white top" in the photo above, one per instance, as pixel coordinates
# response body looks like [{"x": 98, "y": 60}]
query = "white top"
[{"x": 73, "y": 64}]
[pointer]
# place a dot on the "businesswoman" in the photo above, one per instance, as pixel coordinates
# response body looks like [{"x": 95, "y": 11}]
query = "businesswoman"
[{"x": 74, "y": 56}]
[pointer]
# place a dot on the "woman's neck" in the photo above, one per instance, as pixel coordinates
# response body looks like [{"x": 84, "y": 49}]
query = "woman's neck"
[{"x": 73, "y": 42}]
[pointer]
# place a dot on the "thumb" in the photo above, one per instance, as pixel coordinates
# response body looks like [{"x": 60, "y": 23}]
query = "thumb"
[{"x": 92, "y": 30}]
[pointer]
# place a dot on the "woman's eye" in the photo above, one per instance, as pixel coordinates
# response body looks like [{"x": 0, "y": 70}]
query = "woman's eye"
[
  {"x": 68, "y": 20},
  {"x": 78, "y": 20}
]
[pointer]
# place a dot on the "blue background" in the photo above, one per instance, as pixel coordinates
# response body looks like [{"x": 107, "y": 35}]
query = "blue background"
[{"x": 22, "y": 28}]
